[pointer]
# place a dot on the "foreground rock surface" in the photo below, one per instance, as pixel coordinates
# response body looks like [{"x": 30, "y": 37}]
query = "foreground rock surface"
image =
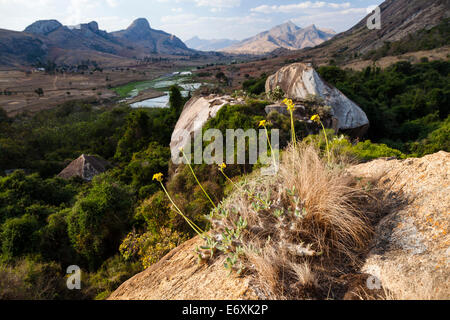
[
  {"x": 409, "y": 254},
  {"x": 178, "y": 276},
  {"x": 299, "y": 81}
]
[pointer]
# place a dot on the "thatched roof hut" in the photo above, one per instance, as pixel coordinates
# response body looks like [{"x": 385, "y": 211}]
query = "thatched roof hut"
[{"x": 86, "y": 167}]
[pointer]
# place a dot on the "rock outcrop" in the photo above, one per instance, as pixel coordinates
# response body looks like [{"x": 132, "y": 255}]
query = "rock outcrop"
[
  {"x": 196, "y": 112},
  {"x": 85, "y": 167},
  {"x": 300, "y": 81},
  {"x": 43, "y": 27},
  {"x": 410, "y": 253},
  {"x": 154, "y": 41},
  {"x": 178, "y": 276}
]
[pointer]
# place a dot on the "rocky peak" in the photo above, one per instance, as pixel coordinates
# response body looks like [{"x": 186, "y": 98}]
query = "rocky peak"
[
  {"x": 288, "y": 27},
  {"x": 139, "y": 25},
  {"x": 43, "y": 27},
  {"x": 311, "y": 27},
  {"x": 93, "y": 26}
]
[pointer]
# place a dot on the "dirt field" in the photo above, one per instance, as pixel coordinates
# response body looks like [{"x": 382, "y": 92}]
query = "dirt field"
[
  {"x": 59, "y": 88},
  {"x": 20, "y": 86}
]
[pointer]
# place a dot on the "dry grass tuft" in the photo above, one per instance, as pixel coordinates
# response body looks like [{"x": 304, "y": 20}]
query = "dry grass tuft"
[
  {"x": 332, "y": 221},
  {"x": 313, "y": 226}
]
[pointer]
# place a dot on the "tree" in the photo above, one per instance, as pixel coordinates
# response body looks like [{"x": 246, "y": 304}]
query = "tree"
[
  {"x": 176, "y": 100},
  {"x": 144, "y": 165},
  {"x": 3, "y": 115},
  {"x": 221, "y": 77},
  {"x": 136, "y": 136},
  {"x": 100, "y": 219},
  {"x": 39, "y": 92},
  {"x": 18, "y": 236}
]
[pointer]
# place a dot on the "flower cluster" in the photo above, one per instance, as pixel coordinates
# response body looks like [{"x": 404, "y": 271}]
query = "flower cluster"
[
  {"x": 158, "y": 177},
  {"x": 290, "y": 104},
  {"x": 316, "y": 118}
]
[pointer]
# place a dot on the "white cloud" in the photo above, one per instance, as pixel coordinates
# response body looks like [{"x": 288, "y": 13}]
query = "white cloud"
[
  {"x": 215, "y": 4},
  {"x": 337, "y": 20},
  {"x": 218, "y": 3},
  {"x": 209, "y": 27},
  {"x": 290, "y": 8}
]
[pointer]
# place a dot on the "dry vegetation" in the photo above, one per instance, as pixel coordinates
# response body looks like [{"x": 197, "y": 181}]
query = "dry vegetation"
[{"x": 312, "y": 233}]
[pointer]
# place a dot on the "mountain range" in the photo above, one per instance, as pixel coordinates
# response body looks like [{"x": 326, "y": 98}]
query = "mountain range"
[
  {"x": 49, "y": 39},
  {"x": 209, "y": 45},
  {"x": 288, "y": 36}
]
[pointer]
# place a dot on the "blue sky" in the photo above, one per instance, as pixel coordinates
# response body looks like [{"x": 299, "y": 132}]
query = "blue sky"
[{"x": 233, "y": 19}]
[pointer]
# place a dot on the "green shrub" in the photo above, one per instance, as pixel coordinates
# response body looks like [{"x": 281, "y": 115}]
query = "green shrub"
[
  {"x": 405, "y": 103},
  {"x": 150, "y": 247},
  {"x": 255, "y": 86},
  {"x": 29, "y": 279},
  {"x": 100, "y": 219},
  {"x": 143, "y": 165},
  {"x": 19, "y": 236},
  {"x": 361, "y": 151}
]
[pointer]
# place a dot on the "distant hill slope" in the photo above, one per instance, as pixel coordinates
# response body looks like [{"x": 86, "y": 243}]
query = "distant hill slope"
[
  {"x": 140, "y": 34},
  {"x": 20, "y": 47},
  {"x": 49, "y": 39},
  {"x": 287, "y": 35},
  {"x": 209, "y": 45},
  {"x": 399, "y": 19}
]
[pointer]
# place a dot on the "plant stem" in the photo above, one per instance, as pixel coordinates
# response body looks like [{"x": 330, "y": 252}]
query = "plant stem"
[
  {"x": 248, "y": 192},
  {"x": 193, "y": 173},
  {"x": 326, "y": 140},
  {"x": 294, "y": 137},
  {"x": 270, "y": 145},
  {"x": 196, "y": 228}
]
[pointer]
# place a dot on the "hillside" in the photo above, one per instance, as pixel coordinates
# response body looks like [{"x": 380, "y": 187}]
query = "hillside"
[
  {"x": 141, "y": 35},
  {"x": 50, "y": 40},
  {"x": 18, "y": 47},
  {"x": 287, "y": 35},
  {"x": 400, "y": 18}
]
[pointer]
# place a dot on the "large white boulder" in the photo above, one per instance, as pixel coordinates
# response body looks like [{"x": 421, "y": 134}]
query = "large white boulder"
[
  {"x": 299, "y": 81},
  {"x": 196, "y": 112}
]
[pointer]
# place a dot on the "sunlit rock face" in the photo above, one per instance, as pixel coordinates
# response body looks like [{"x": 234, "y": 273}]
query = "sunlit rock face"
[
  {"x": 196, "y": 112},
  {"x": 409, "y": 253},
  {"x": 300, "y": 81}
]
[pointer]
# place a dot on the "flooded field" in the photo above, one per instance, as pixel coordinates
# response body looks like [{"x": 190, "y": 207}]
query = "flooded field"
[{"x": 162, "y": 84}]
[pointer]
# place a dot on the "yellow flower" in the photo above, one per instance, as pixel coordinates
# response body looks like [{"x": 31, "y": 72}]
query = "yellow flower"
[
  {"x": 262, "y": 123},
  {"x": 158, "y": 177},
  {"x": 290, "y": 104},
  {"x": 316, "y": 118},
  {"x": 222, "y": 166}
]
